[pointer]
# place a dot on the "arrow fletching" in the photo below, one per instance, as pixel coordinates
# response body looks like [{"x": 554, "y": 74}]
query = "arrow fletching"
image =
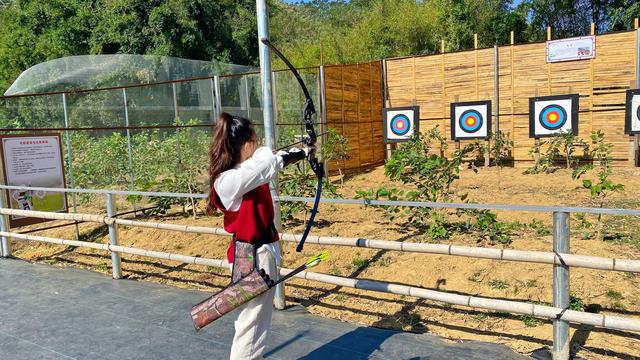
[{"x": 324, "y": 255}]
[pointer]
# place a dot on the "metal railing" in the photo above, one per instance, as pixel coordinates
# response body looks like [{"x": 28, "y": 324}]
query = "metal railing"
[{"x": 560, "y": 258}]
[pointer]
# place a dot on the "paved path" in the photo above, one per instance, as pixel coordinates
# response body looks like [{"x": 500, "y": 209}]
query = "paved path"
[{"x": 63, "y": 313}]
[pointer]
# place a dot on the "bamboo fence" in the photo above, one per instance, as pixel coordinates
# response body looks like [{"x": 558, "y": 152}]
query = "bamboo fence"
[{"x": 435, "y": 81}]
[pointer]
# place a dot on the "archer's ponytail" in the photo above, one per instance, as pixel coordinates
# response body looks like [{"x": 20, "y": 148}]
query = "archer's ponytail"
[{"x": 229, "y": 134}]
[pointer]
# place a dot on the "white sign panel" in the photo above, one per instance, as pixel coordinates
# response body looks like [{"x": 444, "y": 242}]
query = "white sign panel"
[
  {"x": 34, "y": 161},
  {"x": 580, "y": 48}
]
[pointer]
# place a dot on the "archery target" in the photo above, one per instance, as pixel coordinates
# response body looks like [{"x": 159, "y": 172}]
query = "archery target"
[
  {"x": 553, "y": 115},
  {"x": 470, "y": 120},
  {"x": 401, "y": 124},
  {"x": 632, "y": 116}
]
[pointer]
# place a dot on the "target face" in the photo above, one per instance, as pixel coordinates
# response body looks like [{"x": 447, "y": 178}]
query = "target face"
[
  {"x": 401, "y": 123},
  {"x": 553, "y": 115},
  {"x": 632, "y": 115},
  {"x": 470, "y": 120}
]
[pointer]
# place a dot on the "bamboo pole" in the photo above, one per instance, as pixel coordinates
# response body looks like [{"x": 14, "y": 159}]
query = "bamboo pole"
[
  {"x": 540, "y": 257},
  {"x": 548, "y": 312}
]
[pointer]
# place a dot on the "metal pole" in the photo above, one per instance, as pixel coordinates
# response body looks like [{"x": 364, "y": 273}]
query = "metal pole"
[
  {"x": 274, "y": 96},
  {"x": 267, "y": 111},
  {"x": 216, "y": 90},
  {"x": 246, "y": 95},
  {"x": 636, "y": 138},
  {"x": 5, "y": 247},
  {"x": 214, "y": 108},
  {"x": 323, "y": 106},
  {"x": 176, "y": 121},
  {"x": 129, "y": 150},
  {"x": 496, "y": 87},
  {"x": 560, "y": 285},
  {"x": 113, "y": 239},
  {"x": 67, "y": 137}
]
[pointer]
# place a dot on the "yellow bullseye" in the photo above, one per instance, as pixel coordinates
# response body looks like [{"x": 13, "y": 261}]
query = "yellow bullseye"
[{"x": 553, "y": 117}]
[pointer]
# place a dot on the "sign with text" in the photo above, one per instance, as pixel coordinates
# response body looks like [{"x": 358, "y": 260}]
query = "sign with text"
[
  {"x": 580, "y": 48},
  {"x": 34, "y": 161}
]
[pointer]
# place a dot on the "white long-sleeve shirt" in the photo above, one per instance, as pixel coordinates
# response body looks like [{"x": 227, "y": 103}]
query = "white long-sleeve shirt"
[{"x": 233, "y": 184}]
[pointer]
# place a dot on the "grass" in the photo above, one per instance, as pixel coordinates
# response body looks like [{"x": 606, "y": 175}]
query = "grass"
[
  {"x": 575, "y": 303},
  {"x": 498, "y": 284},
  {"x": 335, "y": 271},
  {"x": 530, "y": 321},
  {"x": 614, "y": 295},
  {"x": 214, "y": 270},
  {"x": 358, "y": 263},
  {"x": 539, "y": 227},
  {"x": 102, "y": 267}
]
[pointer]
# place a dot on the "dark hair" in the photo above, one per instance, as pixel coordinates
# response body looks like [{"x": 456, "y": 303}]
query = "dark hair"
[{"x": 229, "y": 134}]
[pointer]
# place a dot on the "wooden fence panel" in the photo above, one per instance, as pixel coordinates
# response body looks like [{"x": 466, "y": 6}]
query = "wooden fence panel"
[{"x": 353, "y": 94}]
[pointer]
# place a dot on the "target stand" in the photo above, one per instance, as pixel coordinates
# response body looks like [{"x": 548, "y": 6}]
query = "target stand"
[
  {"x": 470, "y": 120},
  {"x": 553, "y": 115},
  {"x": 401, "y": 123}
]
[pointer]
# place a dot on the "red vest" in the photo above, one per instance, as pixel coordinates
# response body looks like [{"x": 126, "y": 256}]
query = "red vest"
[{"x": 253, "y": 218}]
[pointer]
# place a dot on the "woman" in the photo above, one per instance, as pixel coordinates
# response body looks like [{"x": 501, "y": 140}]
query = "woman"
[{"x": 239, "y": 174}]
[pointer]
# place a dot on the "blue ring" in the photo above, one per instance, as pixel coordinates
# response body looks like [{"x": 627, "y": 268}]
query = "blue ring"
[
  {"x": 465, "y": 115},
  {"x": 395, "y": 119},
  {"x": 549, "y": 108}
]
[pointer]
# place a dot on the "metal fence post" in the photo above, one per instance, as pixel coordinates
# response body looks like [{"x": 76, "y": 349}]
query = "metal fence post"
[
  {"x": 216, "y": 92},
  {"x": 560, "y": 285},
  {"x": 67, "y": 137},
  {"x": 323, "y": 106},
  {"x": 267, "y": 111},
  {"x": 5, "y": 247},
  {"x": 496, "y": 87},
  {"x": 113, "y": 238},
  {"x": 129, "y": 150},
  {"x": 636, "y": 138},
  {"x": 176, "y": 123}
]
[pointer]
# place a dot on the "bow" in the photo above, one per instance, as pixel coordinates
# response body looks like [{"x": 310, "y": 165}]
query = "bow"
[{"x": 309, "y": 139}]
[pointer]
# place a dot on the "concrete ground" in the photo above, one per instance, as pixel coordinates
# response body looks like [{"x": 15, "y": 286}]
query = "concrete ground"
[{"x": 62, "y": 313}]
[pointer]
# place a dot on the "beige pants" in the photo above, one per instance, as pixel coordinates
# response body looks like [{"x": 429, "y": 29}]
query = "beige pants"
[{"x": 253, "y": 323}]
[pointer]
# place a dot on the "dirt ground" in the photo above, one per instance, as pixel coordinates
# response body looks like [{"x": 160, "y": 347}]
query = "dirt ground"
[{"x": 609, "y": 292}]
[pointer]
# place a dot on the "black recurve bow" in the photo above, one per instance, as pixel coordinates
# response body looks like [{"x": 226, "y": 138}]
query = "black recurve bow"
[{"x": 309, "y": 140}]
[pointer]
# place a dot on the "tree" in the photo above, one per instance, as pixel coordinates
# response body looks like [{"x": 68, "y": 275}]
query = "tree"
[{"x": 37, "y": 31}]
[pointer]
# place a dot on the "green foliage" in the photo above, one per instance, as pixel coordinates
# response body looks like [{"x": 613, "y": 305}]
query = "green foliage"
[
  {"x": 539, "y": 227},
  {"x": 499, "y": 149},
  {"x": 576, "y": 303},
  {"x": 547, "y": 153},
  {"x": 498, "y": 284},
  {"x": 600, "y": 186},
  {"x": 530, "y": 321},
  {"x": 298, "y": 181},
  {"x": 336, "y": 148},
  {"x": 34, "y": 31},
  {"x": 430, "y": 176},
  {"x": 614, "y": 295}
]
